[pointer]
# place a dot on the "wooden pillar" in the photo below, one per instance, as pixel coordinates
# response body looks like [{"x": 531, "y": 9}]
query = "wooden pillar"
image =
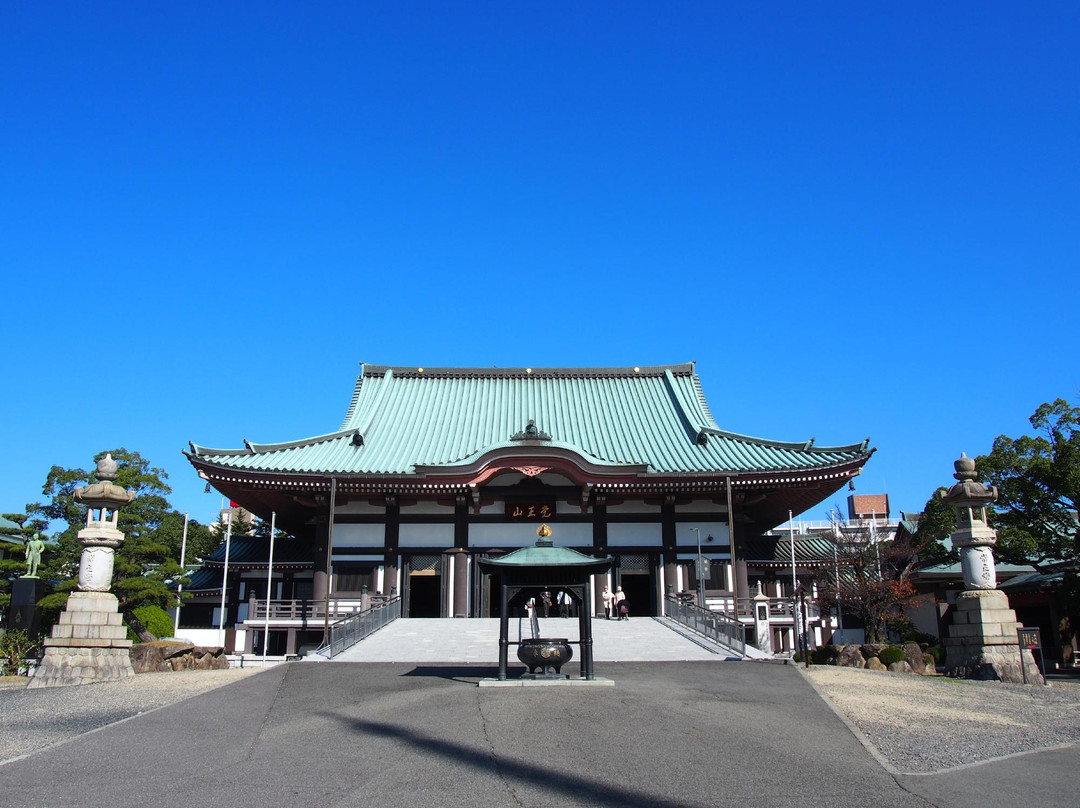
[
  {"x": 461, "y": 522},
  {"x": 392, "y": 524},
  {"x": 319, "y": 578},
  {"x": 461, "y": 584},
  {"x": 391, "y": 537},
  {"x": 667, "y": 525},
  {"x": 600, "y": 549},
  {"x": 671, "y": 577},
  {"x": 390, "y": 574}
]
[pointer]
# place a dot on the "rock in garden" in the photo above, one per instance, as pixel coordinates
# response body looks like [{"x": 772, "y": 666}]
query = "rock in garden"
[{"x": 851, "y": 657}]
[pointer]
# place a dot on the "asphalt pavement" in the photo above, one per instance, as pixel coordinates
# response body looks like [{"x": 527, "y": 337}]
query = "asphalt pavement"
[
  {"x": 401, "y": 735},
  {"x": 695, "y": 732}
]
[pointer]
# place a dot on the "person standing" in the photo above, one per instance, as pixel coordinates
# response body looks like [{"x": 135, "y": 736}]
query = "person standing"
[
  {"x": 545, "y": 601},
  {"x": 609, "y": 603},
  {"x": 622, "y": 609},
  {"x": 563, "y": 599}
]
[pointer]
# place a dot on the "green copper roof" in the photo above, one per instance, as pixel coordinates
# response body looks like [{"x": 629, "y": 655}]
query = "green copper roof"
[
  {"x": 405, "y": 420},
  {"x": 253, "y": 551},
  {"x": 777, "y": 549},
  {"x": 546, "y": 555}
]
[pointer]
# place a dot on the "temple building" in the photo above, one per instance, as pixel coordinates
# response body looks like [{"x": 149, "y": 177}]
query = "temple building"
[{"x": 433, "y": 469}]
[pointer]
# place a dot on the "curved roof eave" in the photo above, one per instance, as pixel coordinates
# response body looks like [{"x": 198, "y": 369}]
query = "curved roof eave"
[
  {"x": 266, "y": 448},
  {"x": 529, "y": 448},
  {"x": 804, "y": 446}
]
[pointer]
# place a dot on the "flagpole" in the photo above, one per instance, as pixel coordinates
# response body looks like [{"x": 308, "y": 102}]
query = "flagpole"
[
  {"x": 225, "y": 579},
  {"x": 794, "y": 579},
  {"x": 873, "y": 537},
  {"x": 269, "y": 584},
  {"x": 731, "y": 549},
  {"x": 180, "y": 586}
]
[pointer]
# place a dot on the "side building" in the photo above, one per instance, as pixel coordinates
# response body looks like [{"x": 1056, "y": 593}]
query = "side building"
[{"x": 433, "y": 469}]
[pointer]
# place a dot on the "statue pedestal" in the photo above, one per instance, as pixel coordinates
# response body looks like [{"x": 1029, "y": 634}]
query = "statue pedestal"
[
  {"x": 982, "y": 642},
  {"x": 23, "y": 611},
  {"x": 88, "y": 645}
]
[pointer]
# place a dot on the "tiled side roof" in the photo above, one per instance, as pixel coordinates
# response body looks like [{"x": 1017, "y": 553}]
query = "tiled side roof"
[
  {"x": 401, "y": 419},
  {"x": 777, "y": 550},
  {"x": 204, "y": 580},
  {"x": 10, "y": 531},
  {"x": 250, "y": 551}
]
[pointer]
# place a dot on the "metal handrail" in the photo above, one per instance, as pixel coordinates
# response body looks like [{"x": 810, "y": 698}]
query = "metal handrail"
[
  {"x": 717, "y": 626},
  {"x": 306, "y": 608},
  {"x": 348, "y": 631}
]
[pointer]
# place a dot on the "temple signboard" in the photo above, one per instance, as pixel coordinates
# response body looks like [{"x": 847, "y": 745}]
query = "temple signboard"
[{"x": 525, "y": 511}]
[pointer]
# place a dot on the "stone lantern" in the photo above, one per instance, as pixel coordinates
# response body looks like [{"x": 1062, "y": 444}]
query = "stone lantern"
[
  {"x": 762, "y": 628},
  {"x": 89, "y": 643},
  {"x": 982, "y": 641},
  {"x": 973, "y": 537}
]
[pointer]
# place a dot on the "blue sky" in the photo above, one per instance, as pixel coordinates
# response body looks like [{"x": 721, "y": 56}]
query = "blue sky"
[{"x": 859, "y": 221}]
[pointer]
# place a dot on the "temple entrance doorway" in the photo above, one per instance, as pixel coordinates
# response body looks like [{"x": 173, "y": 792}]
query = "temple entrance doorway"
[
  {"x": 425, "y": 591},
  {"x": 636, "y": 579}
]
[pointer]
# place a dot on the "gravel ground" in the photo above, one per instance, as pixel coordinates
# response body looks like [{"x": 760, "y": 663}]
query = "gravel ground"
[
  {"x": 35, "y": 719},
  {"x": 923, "y": 724}
]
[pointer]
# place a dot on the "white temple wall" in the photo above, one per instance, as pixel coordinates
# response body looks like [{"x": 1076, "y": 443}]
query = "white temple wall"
[
  {"x": 634, "y": 534},
  {"x": 432, "y": 535},
  {"x": 686, "y": 537},
  {"x": 353, "y": 535},
  {"x": 523, "y": 534}
]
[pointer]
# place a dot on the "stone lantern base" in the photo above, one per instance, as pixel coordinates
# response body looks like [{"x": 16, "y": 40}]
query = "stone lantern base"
[
  {"x": 88, "y": 645},
  {"x": 982, "y": 641}
]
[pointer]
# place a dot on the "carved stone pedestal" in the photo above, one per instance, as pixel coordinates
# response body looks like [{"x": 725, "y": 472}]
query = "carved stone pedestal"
[
  {"x": 88, "y": 645},
  {"x": 982, "y": 642}
]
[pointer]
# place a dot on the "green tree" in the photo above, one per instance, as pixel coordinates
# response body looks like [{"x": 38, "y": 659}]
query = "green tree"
[
  {"x": 1038, "y": 481},
  {"x": 201, "y": 540},
  {"x": 869, "y": 578},
  {"x": 241, "y": 521},
  {"x": 936, "y": 523},
  {"x": 146, "y": 567}
]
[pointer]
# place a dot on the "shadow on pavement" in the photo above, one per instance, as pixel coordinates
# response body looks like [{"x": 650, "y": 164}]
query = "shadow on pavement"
[
  {"x": 469, "y": 674},
  {"x": 572, "y": 786}
]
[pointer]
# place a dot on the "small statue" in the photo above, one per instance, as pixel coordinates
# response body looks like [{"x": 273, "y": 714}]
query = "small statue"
[{"x": 33, "y": 551}]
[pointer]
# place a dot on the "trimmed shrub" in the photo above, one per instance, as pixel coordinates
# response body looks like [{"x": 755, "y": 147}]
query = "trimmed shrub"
[
  {"x": 825, "y": 655},
  {"x": 920, "y": 637},
  {"x": 936, "y": 652},
  {"x": 890, "y": 655},
  {"x": 157, "y": 622}
]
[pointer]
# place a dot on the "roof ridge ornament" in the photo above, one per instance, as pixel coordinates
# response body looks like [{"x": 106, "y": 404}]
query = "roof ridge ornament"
[
  {"x": 543, "y": 534},
  {"x": 531, "y": 432}
]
